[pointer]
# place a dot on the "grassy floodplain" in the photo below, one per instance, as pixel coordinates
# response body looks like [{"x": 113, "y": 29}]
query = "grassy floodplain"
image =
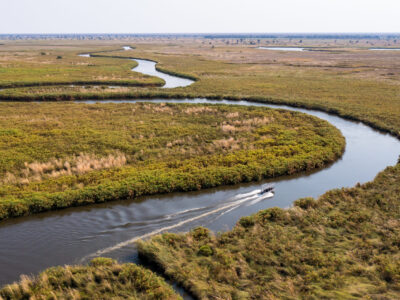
[
  {"x": 56, "y": 67},
  {"x": 343, "y": 245},
  {"x": 56, "y": 155},
  {"x": 353, "y": 82},
  {"x": 104, "y": 278}
]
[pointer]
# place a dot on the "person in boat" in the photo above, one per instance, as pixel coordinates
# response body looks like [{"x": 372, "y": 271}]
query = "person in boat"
[{"x": 268, "y": 189}]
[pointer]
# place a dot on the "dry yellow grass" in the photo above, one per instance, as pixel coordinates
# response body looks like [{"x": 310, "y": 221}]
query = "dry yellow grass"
[{"x": 75, "y": 165}]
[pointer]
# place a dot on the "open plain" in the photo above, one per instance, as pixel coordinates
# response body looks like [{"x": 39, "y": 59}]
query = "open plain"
[{"x": 56, "y": 154}]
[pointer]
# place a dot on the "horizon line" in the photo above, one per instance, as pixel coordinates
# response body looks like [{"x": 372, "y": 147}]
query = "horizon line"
[{"x": 197, "y": 33}]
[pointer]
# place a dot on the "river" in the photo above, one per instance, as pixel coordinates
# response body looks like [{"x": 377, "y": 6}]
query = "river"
[{"x": 75, "y": 235}]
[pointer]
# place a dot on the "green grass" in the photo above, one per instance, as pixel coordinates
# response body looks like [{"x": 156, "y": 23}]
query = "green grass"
[
  {"x": 56, "y": 155},
  {"x": 29, "y": 69},
  {"x": 103, "y": 278},
  {"x": 361, "y": 85},
  {"x": 344, "y": 245}
]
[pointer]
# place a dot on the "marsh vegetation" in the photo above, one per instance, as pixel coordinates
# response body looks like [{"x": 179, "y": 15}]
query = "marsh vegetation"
[
  {"x": 57, "y": 155},
  {"x": 344, "y": 245},
  {"x": 21, "y": 69},
  {"x": 104, "y": 278}
]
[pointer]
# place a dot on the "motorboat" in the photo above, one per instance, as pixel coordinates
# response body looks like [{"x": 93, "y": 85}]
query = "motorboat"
[
  {"x": 267, "y": 192},
  {"x": 268, "y": 189}
]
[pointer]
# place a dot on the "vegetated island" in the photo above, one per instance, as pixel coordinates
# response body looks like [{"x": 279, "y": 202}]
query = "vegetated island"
[{"x": 70, "y": 154}]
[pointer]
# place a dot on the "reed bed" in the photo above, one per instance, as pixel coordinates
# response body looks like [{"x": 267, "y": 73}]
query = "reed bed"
[
  {"x": 103, "y": 278},
  {"x": 56, "y": 155}
]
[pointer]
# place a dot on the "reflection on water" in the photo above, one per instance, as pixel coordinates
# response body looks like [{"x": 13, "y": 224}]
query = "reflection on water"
[
  {"x": 31, "y": 244},
  {"x": 283, "y": 48},
  {"x": 149, "y": 68},
  {"x": 383, "y": 49}
]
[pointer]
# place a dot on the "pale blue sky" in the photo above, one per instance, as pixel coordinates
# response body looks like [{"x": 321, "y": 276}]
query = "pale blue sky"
[{"x": 186, "y": 16}]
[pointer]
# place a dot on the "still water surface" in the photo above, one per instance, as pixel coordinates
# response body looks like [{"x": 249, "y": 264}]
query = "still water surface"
[
  {"x": 149, "y": 68},
  {"x": 283, "y": 48},
  {"x": 384, "y": 49}
]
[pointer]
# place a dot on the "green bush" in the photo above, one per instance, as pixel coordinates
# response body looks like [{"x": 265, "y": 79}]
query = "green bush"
[
  {"x": 200, "y": 233},
  {"x": 104, "y": 278},
  {"x": 272, "y": 214},
  {"x": 102, "y": 261},
  {"x": 306, "y": 203},
  {"x": 205, "y": 250},
  {"x": 247, "y": 221}
]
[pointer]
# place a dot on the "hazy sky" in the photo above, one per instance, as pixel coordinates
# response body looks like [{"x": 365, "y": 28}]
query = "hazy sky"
[{"x": 186, "y": 16}]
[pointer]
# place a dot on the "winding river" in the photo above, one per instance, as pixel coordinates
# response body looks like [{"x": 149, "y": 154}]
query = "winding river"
[
  {"x": 75, "y": 235},
  {"x": 148, "y": 67}
]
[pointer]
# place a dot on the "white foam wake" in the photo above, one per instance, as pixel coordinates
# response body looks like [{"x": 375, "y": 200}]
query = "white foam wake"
[
  {"x": 183, "y": 212},
  {"x": 247, "y": 194},
  {"x": 232, "y": 205}
]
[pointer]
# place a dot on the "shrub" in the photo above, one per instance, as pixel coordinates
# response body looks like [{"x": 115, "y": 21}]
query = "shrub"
[
  {"x": 205, "y": 250},
  {"x": 247, "y": 221},
  {"x": 104, "y": 278},
  {"x": 306, "y": 203},
  {"x": 102, "y": 261},
  {"x": 200, "y": 233},
  {"x": 271, "y": 214}
]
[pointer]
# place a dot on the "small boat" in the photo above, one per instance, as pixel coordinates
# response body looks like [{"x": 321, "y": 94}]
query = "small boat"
[
  {"x": 268, "y": 189},
  {"x": 267, "y": 192}
]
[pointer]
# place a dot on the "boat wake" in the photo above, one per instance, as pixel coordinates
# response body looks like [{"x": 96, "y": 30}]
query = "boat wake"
[
  {"x": 247, "y": 198},
  {"x": 184, "y": 212}
]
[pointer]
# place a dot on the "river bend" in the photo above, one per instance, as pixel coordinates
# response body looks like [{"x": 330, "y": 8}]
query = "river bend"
[{"x": 31, "y": 244}]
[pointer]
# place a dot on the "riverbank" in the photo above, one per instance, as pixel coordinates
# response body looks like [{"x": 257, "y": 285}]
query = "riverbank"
[
  {"x": 343, "y": 245},
  {"x": 45, "y": 68},
  {"x": 64, "y": 237},
  {"x": 202, "y": 147},
  {"x": 364, "y": 93},
  {"x": 103, "y": 279}
]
